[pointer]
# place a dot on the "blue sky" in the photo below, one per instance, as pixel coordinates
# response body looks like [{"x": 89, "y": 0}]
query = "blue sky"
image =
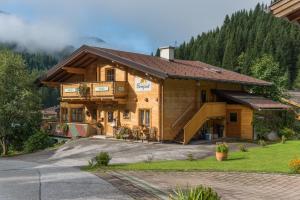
[{"x": 134, "y": 25}]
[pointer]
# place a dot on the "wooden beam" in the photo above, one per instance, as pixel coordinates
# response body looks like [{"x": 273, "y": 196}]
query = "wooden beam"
[
  {"x": 51, "y": 84},
  {"x": 74, "y": 70}
]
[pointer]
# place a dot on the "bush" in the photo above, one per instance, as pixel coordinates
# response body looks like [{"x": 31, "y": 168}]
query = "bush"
[
  {"x": 102, "y": 159},
  {"x": 197, "y": 193},
  {"x": 286, "y": 132},
  {"x": 262, "y": 143},
  {"x": 222, "y": 148},
  {"x": 243, "y": 148},
  {"x": 294, "y": 166},
  {"x": 123, "y": 133},
  {"x": 38, "y": 141}
]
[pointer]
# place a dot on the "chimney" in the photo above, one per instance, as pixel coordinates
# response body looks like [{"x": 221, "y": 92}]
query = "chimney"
[{"x": 167, "y": 52}]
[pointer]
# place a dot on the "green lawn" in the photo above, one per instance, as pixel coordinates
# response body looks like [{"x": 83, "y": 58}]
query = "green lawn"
[{"x": 272, "y": 158}]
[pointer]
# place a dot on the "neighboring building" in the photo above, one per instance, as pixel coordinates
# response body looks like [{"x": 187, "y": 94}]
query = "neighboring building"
[
  {"x": 50, "y": 119},
  {"x": 51, "y": 113},
  {"x": 293, "y": 99},
  {"x": 289, "y": 9},
  {"x": 179, "y": 99}
]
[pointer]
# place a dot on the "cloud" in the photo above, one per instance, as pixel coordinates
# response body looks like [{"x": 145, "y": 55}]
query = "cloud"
[
  {"x": 136, "y": 25},
  {"x": 34, "y": 36}
]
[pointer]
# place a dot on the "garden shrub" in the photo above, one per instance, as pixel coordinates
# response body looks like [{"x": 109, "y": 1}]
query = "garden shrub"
[
  {"x": 243, "y": 148},
  {"x": 123, "y": 133},
  {"x": 222, "y": 148},
  {"x": 102, "y": 159},
  {"x": 196, "y": 193},
  {"x": 294, "y": 166},
  {"x": 262, "y": 143},
  {"x": 38, "y": 141},
  {"x": 286, "y": 132}
]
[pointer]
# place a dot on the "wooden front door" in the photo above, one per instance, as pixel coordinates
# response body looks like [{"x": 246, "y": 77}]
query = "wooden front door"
[
  {"x": 233, "y": 123},
  {"x": 109, "y": 122}
]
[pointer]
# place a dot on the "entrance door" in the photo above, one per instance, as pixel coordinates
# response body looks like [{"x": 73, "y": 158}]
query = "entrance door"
[
  {"x": 233, "y": 123},
  {"x": 109, "y": 122}
]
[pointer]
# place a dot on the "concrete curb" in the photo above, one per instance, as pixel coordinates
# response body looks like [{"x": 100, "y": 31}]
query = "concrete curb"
[{"x": 142, "y": 184}]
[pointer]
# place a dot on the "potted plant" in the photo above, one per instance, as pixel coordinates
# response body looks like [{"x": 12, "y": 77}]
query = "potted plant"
[
  {"x": 222, "y": 151},
  {"x": 83, "y": 90}
]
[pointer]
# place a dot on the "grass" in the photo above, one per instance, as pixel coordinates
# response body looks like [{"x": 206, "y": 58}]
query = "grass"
[{"x": 273, "y": 158}]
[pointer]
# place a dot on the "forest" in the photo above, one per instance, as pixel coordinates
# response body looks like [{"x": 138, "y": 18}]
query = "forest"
[
  {"x": 244, "y": 37},
  {"x": 38, "y": 63}
]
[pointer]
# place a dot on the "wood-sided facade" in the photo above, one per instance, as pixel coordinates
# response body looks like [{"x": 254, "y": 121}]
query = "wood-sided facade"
[{"x": 118, "y": 94}]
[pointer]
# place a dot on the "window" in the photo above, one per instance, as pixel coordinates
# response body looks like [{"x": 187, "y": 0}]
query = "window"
[
  {"x": 64, "y": 114},
  {"x": 126, "y": 114},
  {"x": 233, "y": 117},
  {"x": 203, "y": 96},
  {"x": 77, "y": 114},
  {"x": 144, "y": 117},
  {"x": 110, "y": 75},
  {"x": 94, "y": 114},
  {"x": 110, "y": 116}
]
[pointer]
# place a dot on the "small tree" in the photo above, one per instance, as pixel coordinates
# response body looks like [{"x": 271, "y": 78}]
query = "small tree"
[
  {"x": 266, "y": 68},
  {"x": 19, "y": 101}
]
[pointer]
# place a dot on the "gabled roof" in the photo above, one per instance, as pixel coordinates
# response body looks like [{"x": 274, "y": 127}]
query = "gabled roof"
[
  {"x": 254, "y": 101},
  {"x": 155, "y": 66}
]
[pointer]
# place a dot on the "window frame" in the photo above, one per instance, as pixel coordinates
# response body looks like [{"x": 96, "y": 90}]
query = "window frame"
[
  {"x": 142, "y": 122},
  {"x": 64, "y": 115},
  {"x": 108, "y": 116},
  {"x": 126, "y": 114},
  {"x": 110, "y": 74},
  {"x": 77, "y": 115},
  {"x": 231, "y": 117}
]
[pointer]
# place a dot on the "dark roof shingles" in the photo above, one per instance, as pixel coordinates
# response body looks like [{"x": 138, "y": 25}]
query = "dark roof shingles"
[{"x": 165, "y": 68}]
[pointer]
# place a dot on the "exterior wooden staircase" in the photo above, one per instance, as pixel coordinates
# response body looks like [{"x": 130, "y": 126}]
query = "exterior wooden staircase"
[
  {"x": 181, "y": 121},
  {"x": 191, "y": 120},
  {"x": 206, "y": 112}
]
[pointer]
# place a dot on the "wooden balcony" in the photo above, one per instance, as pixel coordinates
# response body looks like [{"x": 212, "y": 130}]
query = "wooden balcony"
[
  {"x": 93, "y": 91},
  {"x": 289, "y": 9}
]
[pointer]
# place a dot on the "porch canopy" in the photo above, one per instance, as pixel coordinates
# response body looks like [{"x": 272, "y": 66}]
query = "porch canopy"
[{"x": 254, "y": 101}]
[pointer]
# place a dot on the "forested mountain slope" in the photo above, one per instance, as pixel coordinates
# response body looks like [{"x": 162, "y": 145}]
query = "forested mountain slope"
[
  {"x": 38, "y": 63},
  {"x": 244, "y": 37}
]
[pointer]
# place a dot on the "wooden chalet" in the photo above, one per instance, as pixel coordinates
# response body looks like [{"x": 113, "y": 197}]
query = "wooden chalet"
[
  {"x": 288, "y": 9},
  {"x": 178, "y": 100}
]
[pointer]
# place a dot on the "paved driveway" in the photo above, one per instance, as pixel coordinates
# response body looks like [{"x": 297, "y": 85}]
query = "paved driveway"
[
  {"x": 78, "y": 152},
  {"x": 55, "y": 174},
  {"x": 230, "y": 186},
  {"x": 31, "y": 181}
]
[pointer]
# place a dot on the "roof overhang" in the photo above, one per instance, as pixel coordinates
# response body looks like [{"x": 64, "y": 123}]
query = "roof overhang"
[
  {"x": 289, "y": 9},
  {"x": 58, "y": 73},
  {"x": 254, "y": 101}
]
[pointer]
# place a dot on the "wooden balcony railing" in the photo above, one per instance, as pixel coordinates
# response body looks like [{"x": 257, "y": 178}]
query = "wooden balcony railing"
[{"x": 94, "y": 90}]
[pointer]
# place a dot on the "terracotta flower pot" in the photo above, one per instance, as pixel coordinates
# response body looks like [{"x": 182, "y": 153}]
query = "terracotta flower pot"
[{"x": 221, "y": 156}]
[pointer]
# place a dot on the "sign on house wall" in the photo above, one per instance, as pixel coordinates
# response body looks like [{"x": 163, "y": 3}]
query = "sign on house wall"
[
  {"x": 70, "y": 90},
  {"x": 142, "y": 85},
  {"x": 102, "y": 89}
]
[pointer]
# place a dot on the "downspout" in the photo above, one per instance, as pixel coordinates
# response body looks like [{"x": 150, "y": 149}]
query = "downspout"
[{"x": 161, "y": 112}]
